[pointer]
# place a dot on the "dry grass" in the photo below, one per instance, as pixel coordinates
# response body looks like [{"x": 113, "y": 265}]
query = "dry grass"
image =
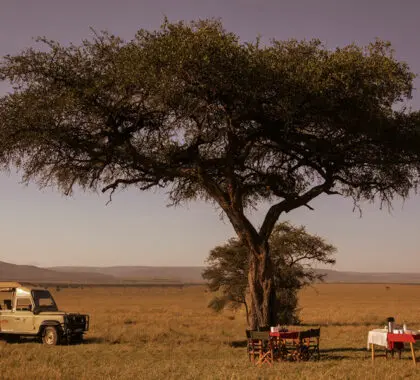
[{"x": 168, "y": 333}]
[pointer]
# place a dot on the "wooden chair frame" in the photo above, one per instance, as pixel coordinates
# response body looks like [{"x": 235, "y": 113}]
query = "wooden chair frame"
[
  {"x": 285, "y": 349},
  {"x": 260, "y": 348},
  {"x": 309, "y": 344}
]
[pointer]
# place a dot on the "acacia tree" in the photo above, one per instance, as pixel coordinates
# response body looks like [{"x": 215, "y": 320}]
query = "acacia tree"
[
  {"x": 227, "y": 273},
  {"x": 192, "y": 109},
  {"x": 293, "y": 253}
]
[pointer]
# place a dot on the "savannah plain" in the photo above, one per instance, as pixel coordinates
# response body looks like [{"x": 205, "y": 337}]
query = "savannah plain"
[{"x": 169, "y": 333}]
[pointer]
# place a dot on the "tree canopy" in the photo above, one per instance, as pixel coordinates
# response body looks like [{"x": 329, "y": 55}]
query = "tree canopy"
[
  {"x": 294, "y": 253},
  {"x": 192, "y": 109}
]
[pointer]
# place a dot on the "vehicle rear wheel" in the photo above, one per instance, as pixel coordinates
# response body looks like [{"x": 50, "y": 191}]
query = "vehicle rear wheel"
[{"x": 50, "y": 336}]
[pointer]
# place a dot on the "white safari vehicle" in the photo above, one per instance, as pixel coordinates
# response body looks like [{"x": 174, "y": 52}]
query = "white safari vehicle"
[{"x": 28, "y": 310}]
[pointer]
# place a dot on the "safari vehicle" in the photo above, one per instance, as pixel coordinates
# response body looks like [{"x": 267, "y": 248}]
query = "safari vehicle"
[{"x": 28, "y": 310}]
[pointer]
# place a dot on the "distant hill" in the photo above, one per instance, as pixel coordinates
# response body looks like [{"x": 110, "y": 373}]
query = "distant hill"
[
  {"x": 362, "y": 277},
  {"x": 146, "y": 274},
  {"x": 137, "y": 273},
  {"x": 193, "y": 274},
  {"x": 13, "y": 272}
]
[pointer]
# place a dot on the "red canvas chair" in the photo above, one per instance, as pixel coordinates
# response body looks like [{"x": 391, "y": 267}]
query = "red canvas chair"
[
  {"x": 309, "y": 344},
  {"x": 285, "y": 346}
]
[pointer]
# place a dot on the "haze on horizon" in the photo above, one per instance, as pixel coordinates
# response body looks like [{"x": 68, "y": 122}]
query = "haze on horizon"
[{"x": 45, "y": 228}]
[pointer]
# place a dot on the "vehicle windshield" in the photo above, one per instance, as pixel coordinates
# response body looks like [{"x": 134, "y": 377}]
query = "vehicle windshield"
[{"x": 44, "y": 300}]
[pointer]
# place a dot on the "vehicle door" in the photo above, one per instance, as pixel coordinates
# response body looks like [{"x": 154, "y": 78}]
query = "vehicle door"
[
  {"x": 23, "y": 315},
  {"x": 7, "y": 321},
  {"x": 7, "y": 316}
]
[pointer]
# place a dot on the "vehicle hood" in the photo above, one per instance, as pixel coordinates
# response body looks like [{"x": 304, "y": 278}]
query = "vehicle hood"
[{"x": 52, "y": 312}]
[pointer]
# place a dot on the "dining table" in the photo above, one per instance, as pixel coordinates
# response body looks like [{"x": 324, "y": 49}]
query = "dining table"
[
  {"x": 392, "y": 341},
  {"x": 401, "y": 339},
  {"x": 284, "y": 334}
]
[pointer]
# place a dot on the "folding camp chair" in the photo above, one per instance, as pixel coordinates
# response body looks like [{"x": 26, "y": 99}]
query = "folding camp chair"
[
  {"x": 309, "y": 344},
  {"x": 260, "y": 349}
]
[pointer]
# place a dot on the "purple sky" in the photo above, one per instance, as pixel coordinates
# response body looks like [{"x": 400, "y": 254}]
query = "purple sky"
[{"x": 44, "y": 228}]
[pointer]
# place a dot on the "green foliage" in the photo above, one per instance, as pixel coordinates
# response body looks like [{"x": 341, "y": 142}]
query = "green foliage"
[
  {"x": 293, "y": 253},
  {"x": 218, "y": 303},
  {"x": 190, "y": 107},
  {"x": 226, "y": 272}
]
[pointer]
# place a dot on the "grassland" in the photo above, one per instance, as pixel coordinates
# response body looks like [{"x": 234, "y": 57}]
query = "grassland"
[{"x": 168, "y": 333}]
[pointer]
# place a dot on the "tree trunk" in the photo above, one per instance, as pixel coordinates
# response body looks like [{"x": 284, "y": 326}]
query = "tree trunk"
[
  {"x": 260, "y": 275},
  {"x": 262, "y": 292},
  {"x": 247, "y": 312}
]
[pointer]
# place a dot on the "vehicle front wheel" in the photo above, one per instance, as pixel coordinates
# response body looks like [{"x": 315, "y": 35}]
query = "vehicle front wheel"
[{"x": 50, "y": 336}]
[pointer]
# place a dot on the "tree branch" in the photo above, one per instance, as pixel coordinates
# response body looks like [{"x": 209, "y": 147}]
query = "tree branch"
[
  {"x": 121, "y": 181},
  {"x": 114, "y": 185},
  {"x": 242, "y": 226},
  {"x": 289, "y": 204}
]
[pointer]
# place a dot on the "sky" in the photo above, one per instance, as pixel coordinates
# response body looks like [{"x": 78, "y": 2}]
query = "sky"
[{"x": 42, "y": 227}]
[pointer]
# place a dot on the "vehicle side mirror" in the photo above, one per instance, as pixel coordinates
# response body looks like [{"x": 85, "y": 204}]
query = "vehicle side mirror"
[{"x": 36, "y": 310}]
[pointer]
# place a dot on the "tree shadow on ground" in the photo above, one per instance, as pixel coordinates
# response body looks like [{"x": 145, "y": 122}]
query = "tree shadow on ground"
[
  {"x": 328, "y": 354},
  {"x": 340, "y": 353},
  {"x": 237, "y": 343},
  {"x": 343, "y": 349}
]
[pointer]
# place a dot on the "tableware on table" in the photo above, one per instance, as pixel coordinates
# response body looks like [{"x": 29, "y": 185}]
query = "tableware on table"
[{"x": 391, "y": 322}]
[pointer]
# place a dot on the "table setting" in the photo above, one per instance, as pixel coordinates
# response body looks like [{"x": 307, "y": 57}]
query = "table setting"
[{"x": 393, "y": 337}]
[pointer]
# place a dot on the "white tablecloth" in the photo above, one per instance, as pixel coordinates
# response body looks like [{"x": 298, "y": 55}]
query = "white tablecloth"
[{"x": 377, "y": 336}]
